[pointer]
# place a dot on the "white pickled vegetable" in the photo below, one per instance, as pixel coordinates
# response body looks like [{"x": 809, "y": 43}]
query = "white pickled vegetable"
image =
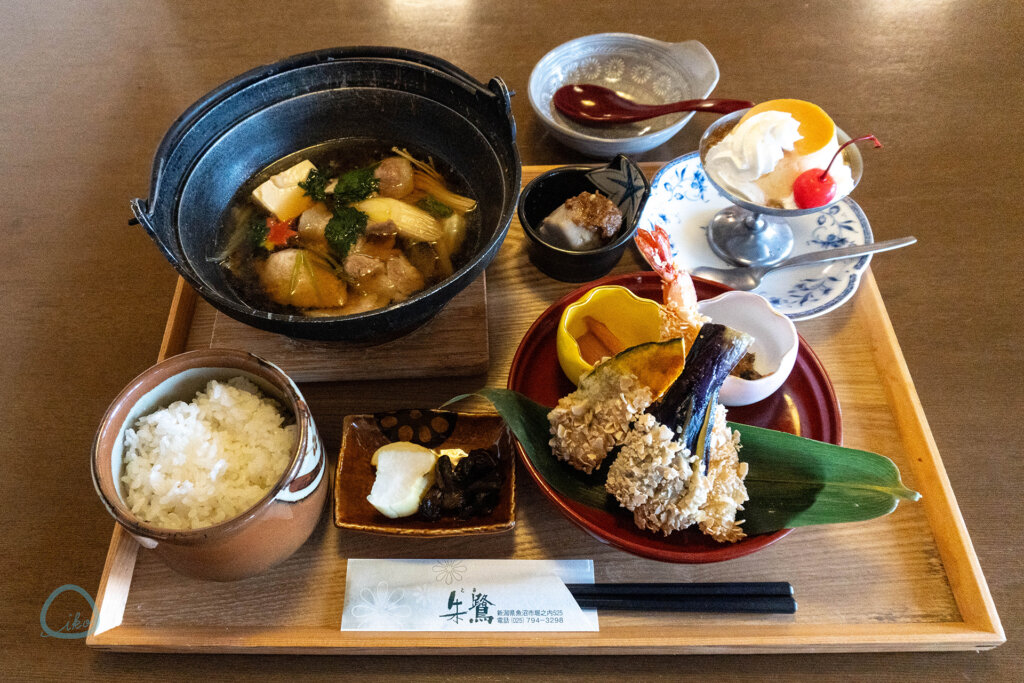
[{"x": 405, "y": 471}]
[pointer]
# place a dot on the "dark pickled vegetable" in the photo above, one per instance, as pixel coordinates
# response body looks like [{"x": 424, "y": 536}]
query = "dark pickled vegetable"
[
  {"x": 449, "y": 484},
  {"x": 430, "y": 507},
  {"x": 472, "y": 488}
]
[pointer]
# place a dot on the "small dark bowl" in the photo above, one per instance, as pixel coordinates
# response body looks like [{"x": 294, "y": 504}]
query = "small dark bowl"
[
  {"x": 399, "y": 96},
  {"x": 621, "y": 180}
]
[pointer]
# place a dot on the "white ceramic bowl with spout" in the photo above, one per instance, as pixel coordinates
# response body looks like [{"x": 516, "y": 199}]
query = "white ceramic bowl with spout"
[{"x": 647, "y": 70}]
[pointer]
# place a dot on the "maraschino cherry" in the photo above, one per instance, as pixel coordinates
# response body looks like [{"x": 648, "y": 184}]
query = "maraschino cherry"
[{"x": 816, "y": 187}]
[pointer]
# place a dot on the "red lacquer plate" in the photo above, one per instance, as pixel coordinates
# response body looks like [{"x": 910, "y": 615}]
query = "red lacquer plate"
[{"x": 805, "y": 405}]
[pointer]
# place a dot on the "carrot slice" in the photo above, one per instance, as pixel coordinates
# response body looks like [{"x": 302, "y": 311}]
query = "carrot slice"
[
  {"x": 591, "y": 348},
  {"x": 606, "y": 336},
  {"x": 279, "y": 232}
]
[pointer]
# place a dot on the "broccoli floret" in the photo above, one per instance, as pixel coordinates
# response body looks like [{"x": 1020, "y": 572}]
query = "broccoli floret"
[
  {"x": 344, "y": 229},
  {"x": 315, "y": 185},
  {"x": 434, "y": 207},
  {"x": 355, "y": 186}
]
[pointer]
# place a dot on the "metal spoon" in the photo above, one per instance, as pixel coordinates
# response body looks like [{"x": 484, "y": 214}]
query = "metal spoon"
[
  {"x": 596, "y": 105},
  {"x": 748, "y": 278}
]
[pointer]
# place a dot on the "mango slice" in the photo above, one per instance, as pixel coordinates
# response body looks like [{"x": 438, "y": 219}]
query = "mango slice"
[{"x": 816, "y": 127}]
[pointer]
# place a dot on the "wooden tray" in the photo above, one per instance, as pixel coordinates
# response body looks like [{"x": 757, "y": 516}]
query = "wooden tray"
[
  {"x": 908, "y": 581},
  {"x": 453, "y": 343}
]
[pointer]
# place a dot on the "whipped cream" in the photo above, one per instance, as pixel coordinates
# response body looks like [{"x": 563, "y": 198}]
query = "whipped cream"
[{"x": 757, "y": 162}]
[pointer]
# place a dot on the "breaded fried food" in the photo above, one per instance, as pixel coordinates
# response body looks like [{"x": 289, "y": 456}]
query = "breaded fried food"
[
  {"x": 656, "y": 478},
  {"x": 588, "y": 423}
]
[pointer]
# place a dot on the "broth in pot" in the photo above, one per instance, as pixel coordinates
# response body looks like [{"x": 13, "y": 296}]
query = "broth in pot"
[{"x": 345, "y": 228}]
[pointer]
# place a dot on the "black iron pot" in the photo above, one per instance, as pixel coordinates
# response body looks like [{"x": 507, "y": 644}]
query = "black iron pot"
[{"x": 395, "y": 95}]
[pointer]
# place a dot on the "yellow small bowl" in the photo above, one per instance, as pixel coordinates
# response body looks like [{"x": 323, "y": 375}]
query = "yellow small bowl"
[{"x": 633, "y": 319}]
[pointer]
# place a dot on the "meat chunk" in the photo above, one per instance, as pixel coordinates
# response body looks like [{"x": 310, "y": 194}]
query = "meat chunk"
[
  {"x": 424, "y": 257},
  {"x": 380, "y": 287},
  {"x": 384, "y": 229},
  {"x": 361, "y": 302},
  {"x": 295, "y": 277},
  {"x": 392, "y": 280},
  {"x": 406, "y": 279},
  {"x": 361, "y": 266},
  {"x": 395, "y": 176},
  {"x": 378, "y": 245}
]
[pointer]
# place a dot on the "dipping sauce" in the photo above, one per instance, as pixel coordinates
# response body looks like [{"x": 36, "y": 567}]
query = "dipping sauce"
[{"x": 745, "y": 368}]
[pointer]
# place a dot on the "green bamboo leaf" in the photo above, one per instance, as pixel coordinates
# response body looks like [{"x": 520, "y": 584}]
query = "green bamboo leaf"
[
  {"x": 795, "y": 481},
  {"x": 792, "y": 481}
]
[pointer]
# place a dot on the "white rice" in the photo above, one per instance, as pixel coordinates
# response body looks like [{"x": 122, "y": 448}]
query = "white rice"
[{"x": 191, "y": 465}]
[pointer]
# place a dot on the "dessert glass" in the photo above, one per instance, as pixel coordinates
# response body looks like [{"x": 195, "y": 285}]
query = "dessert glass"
[{"x": 749, "y": 234}]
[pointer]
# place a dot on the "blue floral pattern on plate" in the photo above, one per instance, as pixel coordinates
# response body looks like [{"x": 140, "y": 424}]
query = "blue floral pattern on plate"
[
  {"x": 835, "y": 229},
  {"x": 682, "y": 201}
]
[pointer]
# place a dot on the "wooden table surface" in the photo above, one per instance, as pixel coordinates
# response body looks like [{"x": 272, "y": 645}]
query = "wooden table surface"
[{"x": 89, "y": 89}]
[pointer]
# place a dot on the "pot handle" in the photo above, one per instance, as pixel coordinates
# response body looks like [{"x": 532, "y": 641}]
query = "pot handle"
[
  {"x": 499, "y": 88},
  {"x": 504, "y": 95},
  {"x": 167, "y": 244}
]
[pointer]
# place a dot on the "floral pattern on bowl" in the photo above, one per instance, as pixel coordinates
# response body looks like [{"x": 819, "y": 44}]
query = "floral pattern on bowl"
[{"x": 682, "y": 201}]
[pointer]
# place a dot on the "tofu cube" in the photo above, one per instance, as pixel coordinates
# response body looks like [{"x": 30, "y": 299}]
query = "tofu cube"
[{"x": 281, "y": 194}]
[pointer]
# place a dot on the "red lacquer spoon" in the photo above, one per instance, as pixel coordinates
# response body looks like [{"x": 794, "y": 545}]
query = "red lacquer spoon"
[{"x": 596, "y": 105}]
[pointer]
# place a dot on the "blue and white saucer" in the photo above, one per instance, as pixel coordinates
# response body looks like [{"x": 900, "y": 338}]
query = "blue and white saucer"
[{"x": 682, "y": 201}]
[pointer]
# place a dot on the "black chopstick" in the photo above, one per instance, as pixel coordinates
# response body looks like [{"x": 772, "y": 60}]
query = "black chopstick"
[
  {"x": 728, "y": 588},
  {"x": 759, "y": 597}
]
